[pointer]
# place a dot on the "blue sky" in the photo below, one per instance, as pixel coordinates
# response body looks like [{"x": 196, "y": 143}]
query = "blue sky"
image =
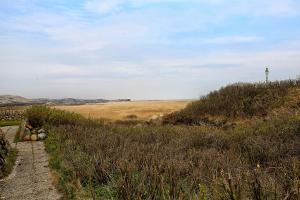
[{"x": 144, "y": 49}]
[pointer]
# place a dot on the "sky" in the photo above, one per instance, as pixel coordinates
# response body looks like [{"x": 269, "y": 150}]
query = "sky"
[{"x": 144, "y": 49}]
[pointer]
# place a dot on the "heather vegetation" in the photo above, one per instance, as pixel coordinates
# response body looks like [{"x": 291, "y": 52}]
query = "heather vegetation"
[
  {"x": 241, "y": 100},
  {"x": 255, "y": 160}
]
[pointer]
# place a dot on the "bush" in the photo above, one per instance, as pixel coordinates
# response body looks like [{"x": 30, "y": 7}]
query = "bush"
[
  {"x": 131, "y": 116},
  {"x": 7, "y": 156},
  {"x": 37, "y": 115}
]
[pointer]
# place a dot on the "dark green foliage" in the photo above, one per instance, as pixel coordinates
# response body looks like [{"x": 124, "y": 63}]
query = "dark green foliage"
[
  {"x": 237, "y": 100},
  {"x": 255, "y": 161},
  {"x": 7, "y": 156}
]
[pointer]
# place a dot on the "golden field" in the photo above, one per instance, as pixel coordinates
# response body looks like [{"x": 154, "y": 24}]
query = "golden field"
[{"x": 144, "y": 110}]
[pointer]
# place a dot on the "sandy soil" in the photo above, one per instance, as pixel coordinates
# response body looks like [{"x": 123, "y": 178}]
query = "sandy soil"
[{"x": 144, "y": 110}]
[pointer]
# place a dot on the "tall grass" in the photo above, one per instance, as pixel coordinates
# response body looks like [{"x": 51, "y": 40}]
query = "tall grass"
[
  {"x": 255, "y": 161},
  {"x": 236, "y": 101}
]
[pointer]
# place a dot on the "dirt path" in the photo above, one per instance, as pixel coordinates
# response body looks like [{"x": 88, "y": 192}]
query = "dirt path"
[{"x": 30, "y": 179}]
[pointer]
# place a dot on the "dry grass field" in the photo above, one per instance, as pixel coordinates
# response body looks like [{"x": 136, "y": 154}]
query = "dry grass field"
[{"x": 144, "y": 110}]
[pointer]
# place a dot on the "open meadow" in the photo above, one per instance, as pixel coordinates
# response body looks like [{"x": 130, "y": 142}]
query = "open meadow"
[{"x": 141, "y": 110}]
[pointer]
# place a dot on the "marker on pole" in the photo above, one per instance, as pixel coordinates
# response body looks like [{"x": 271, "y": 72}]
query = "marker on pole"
[{"x": 267, "y": 74}]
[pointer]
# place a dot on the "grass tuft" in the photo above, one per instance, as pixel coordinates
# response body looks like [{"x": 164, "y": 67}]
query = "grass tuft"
[{"x": 10, "y": 161}]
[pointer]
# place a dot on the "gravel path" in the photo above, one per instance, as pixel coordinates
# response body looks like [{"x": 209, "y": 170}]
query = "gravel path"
[{"x": 30, "y": 179}]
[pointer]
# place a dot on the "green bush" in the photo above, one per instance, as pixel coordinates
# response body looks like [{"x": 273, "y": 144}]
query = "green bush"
[
  {"x": 37, "y": 115},
  {"x": 8, "y": 156}
]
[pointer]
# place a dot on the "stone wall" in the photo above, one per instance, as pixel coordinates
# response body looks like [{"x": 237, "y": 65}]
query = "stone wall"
[{"x": 7, "y": 114}]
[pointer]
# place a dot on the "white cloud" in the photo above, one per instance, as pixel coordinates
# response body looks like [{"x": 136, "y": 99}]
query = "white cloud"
[
  {"x": 222, "y": 40},
  {"x": 232, "y": 39},
  {"x": 104, "y": 6},
  {"x": 279, "y": 8},
  {"x": 65, "y": 71}
]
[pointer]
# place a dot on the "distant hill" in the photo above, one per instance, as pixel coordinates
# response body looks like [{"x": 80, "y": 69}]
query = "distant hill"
[
  {"x": 11, "y": 100},
  {"x": 240, "y": 100}
]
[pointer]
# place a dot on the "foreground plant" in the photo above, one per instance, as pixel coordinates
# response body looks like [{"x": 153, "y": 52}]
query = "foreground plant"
[{"x": 8, "y": 156}]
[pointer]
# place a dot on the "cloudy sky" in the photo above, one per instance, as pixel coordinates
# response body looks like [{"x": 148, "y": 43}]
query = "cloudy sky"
[{"x": 144, "y": 49}]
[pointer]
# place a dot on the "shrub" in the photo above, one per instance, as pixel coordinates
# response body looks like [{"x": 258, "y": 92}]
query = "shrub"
[
  {"x": 131, "y": 116},
  {"x": 7, "y": 156},
  {"x": 37, "y": 115}
]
